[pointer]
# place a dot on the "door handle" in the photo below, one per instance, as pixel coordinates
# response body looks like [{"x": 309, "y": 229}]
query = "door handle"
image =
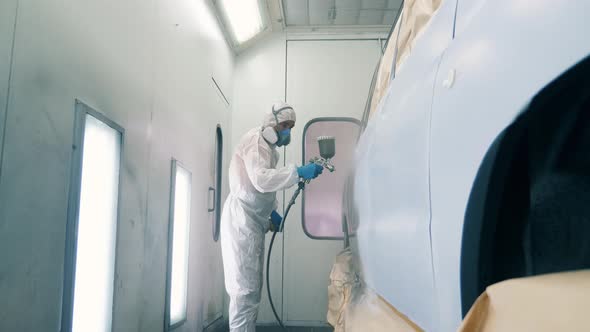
[{"x": 212, "y": 190}]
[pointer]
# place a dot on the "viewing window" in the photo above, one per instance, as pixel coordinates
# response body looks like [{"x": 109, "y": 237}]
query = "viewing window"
[
  {"x": 218, "y": 176},
  {"x": 322, "y": 199}
]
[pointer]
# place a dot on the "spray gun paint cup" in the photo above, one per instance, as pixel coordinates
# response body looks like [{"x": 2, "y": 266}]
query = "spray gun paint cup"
[{"x": 327, "y": 146}]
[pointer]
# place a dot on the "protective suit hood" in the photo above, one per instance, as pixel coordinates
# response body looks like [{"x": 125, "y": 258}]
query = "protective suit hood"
[{"x": 279, "y": 113}]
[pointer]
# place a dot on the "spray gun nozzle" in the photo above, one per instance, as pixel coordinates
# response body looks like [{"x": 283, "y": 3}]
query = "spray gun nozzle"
[
  {"x": 324, "y": 163},
  {"x": 329, "y": 167}
]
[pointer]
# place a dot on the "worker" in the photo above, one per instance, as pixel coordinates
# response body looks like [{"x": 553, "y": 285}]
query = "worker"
[{"x": 250, "y": 209}]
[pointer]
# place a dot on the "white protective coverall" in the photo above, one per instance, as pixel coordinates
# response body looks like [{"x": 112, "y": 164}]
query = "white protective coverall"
[{"x": 253, "y": 181}]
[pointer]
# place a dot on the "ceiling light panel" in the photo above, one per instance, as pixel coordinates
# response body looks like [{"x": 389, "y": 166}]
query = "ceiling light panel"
[{"x": 244, "y": 18}]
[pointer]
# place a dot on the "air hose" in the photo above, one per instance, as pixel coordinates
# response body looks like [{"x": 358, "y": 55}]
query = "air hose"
[{"x": 300, "y": 187}]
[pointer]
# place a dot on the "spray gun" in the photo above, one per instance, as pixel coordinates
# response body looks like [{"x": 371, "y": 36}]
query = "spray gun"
[
  {"x": 327, "y": 151},
  {"x": 327, "y": 146}
]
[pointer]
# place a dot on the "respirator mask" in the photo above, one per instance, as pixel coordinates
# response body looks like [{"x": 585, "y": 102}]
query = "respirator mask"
[{"x": 281, "y": 138}]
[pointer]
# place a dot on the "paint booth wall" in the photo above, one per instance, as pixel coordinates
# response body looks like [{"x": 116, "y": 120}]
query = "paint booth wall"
[
  {"x": 320, "y": 78},
  {"x": 148, "y": 66}
]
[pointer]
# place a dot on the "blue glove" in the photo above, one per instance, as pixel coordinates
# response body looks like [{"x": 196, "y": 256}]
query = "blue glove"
[
  {"x": 276, "y": 220},
  {"x": 310, "y": 171}
]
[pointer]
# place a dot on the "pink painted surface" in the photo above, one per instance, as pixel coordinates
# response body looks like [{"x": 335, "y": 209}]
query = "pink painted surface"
[{"x": 323, "y": 196}]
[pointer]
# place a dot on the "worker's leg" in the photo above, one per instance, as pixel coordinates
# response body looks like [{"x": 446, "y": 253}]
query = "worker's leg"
[{"x": 243, "y": 253}]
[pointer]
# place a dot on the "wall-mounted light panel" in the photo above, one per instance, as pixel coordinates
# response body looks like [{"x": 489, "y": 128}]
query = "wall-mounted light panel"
[
  {"x": 91, "y": 232},
  {"x": 178, "y": 246}
]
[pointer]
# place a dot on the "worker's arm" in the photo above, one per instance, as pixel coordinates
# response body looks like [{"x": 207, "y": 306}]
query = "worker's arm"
[{"x": 257, "y": 160}]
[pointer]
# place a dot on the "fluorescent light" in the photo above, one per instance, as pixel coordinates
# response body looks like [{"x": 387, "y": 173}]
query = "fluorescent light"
[
  {"x": 244, "y": 17},
  {"x": 180, "y": 244},
  {"x": 97, "y": 228}
]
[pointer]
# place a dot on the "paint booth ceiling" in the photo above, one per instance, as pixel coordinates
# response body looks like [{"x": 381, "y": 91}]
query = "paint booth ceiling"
[{"x": 358, "y": 14}]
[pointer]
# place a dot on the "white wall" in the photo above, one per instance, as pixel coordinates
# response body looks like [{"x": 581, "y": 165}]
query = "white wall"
[
  {"x": 147, "y": 65},
  {"x": 324, "y": 78}
]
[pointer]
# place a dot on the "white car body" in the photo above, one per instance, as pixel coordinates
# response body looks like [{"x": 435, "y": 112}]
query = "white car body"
[{"x": 472, "y": 71}]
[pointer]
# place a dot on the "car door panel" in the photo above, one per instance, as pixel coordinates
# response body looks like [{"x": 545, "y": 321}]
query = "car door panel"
[
  {"x": 392, "y": 182},
  {"x": 503, "y": 55}
]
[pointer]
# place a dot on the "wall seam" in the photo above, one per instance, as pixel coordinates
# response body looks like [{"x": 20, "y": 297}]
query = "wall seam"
[
  {"x": 284, "y": 199},
  {"x": 8, "y": 90}
]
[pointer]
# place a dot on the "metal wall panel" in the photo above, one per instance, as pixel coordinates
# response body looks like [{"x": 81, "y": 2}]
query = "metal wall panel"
[{"x": 148, "y": 67}]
